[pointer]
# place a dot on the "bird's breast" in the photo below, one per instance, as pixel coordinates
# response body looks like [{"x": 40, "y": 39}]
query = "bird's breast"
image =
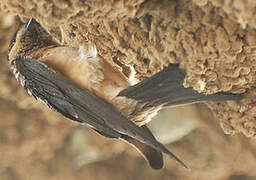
[{"x": 92, "y": 73}]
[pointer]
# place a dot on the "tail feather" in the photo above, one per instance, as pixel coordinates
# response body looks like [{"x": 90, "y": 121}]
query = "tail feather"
[
  {"x": 151, "y": 141},
  {"x": 152, "y": 156},
  {"x": 163, "y": 149}
]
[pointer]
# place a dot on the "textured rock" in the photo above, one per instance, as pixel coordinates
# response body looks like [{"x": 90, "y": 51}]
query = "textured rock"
[{"x": 213, "y": 41}]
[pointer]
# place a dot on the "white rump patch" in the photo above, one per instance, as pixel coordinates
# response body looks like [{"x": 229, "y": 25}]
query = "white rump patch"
[
  {"x": 201, "y": 84},
  {"x": 132, "y": 79},
  {"x": 88, "y": 52}
]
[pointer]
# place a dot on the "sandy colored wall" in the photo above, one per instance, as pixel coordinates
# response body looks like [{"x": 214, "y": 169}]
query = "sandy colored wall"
[{"x": 214, "y": 42}]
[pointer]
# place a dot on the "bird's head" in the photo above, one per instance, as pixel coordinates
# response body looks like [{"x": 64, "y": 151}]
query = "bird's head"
[{"x": 30, "y": 38}]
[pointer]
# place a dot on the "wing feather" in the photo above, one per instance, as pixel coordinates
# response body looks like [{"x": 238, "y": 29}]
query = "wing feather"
[
  {"x": 80, "y": 104},
  {"x": 166, "y": 87}
]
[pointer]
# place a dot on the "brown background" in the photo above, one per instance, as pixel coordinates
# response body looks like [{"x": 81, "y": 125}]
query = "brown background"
[{"x": 216, "y": 46}]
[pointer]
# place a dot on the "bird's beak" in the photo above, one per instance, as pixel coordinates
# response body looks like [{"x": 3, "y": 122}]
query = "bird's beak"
[{"x": 30, "y": 23}]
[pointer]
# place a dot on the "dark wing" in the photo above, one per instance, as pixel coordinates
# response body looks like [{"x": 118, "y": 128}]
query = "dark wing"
[
  {"x": 80, "y": 104},
  {"x": 154, "y": 157},
  {"x": 166, "y": 87}
]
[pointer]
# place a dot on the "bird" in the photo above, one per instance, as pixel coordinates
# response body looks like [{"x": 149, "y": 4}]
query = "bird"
[{"x": 84, "y": 87}]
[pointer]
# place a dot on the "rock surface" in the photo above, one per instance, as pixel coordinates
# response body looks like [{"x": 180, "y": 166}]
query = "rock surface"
[{"x": 213, "y": 41}]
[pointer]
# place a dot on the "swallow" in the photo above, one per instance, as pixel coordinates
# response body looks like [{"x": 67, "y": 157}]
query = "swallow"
[{"x": 81, "y": 85}]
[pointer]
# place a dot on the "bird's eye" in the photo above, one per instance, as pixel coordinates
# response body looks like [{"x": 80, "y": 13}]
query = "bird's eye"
[{"x": 12, "y": 41}]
